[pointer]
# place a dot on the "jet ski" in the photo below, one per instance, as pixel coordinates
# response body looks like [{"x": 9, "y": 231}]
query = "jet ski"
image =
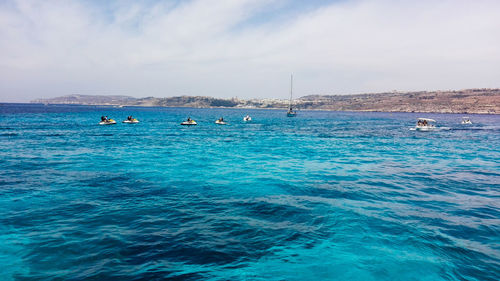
[
  {"x": 189, "y": 122},
  {"x": 220, "y": 121},
  {"x": 466, "y": 121},
  {"x": 107, "y": 122},
  {"x": 247, "y": 118},
  {"x": 131, "y": 121}
]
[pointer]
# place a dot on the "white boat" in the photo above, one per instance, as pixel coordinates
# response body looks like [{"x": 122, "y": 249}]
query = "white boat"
[
  {"x": 466, "y": 121},
  {"x": 247, "y": 118},
  {"x": 108, "y": 122},
  {"x": 291, "y": 112},
  {"x": 425, "y": 124}
]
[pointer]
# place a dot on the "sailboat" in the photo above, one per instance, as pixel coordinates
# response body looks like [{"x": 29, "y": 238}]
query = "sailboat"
[{"x": 291, "y": 112}]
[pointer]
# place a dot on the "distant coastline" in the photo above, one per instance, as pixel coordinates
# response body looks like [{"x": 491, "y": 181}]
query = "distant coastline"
[{"x": 481, "y": 101}]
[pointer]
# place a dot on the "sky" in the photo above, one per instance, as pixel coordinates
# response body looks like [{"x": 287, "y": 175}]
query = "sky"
[{"x": 245, "y": 48}]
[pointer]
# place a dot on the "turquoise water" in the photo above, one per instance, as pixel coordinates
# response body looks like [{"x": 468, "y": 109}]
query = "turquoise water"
[{"x": 323, "y": 196}]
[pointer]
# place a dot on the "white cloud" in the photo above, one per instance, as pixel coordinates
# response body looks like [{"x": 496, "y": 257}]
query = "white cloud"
[{"x": 51, "y": 48}]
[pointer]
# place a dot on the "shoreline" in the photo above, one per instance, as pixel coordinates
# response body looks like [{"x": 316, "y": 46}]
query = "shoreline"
[
  {"x": 467, "y": 101},
  {"x": 118, "y": 106}
]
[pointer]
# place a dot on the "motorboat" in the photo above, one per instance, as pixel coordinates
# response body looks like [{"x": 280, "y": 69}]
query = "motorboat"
[
  {"x": 107, "y": 122},
  {"x": 425, "y": 124},
  {"x": 247, "y": 118},
  {"x": 189, "y": 122},
  {"x": 466, "y": 121}
]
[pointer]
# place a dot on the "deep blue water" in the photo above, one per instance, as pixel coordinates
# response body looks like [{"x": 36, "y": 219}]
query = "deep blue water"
[{"x": 323, "y": 196}]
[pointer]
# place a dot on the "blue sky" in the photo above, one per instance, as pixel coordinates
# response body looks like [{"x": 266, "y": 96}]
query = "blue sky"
[{"x": 245, "y": 48}]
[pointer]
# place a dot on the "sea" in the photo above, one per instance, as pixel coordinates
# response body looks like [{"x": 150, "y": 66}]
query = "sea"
[{"x": 325, "y": 195}]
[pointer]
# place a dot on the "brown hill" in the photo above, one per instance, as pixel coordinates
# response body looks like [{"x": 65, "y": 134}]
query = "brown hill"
[{"x": 461, "y": 101}]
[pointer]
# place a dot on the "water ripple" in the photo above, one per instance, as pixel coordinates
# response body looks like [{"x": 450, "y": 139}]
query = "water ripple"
[{"x": 325, "y": 195}]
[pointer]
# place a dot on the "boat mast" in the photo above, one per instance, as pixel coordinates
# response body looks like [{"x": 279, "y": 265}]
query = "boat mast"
[{"x": 291, "y": 89}]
